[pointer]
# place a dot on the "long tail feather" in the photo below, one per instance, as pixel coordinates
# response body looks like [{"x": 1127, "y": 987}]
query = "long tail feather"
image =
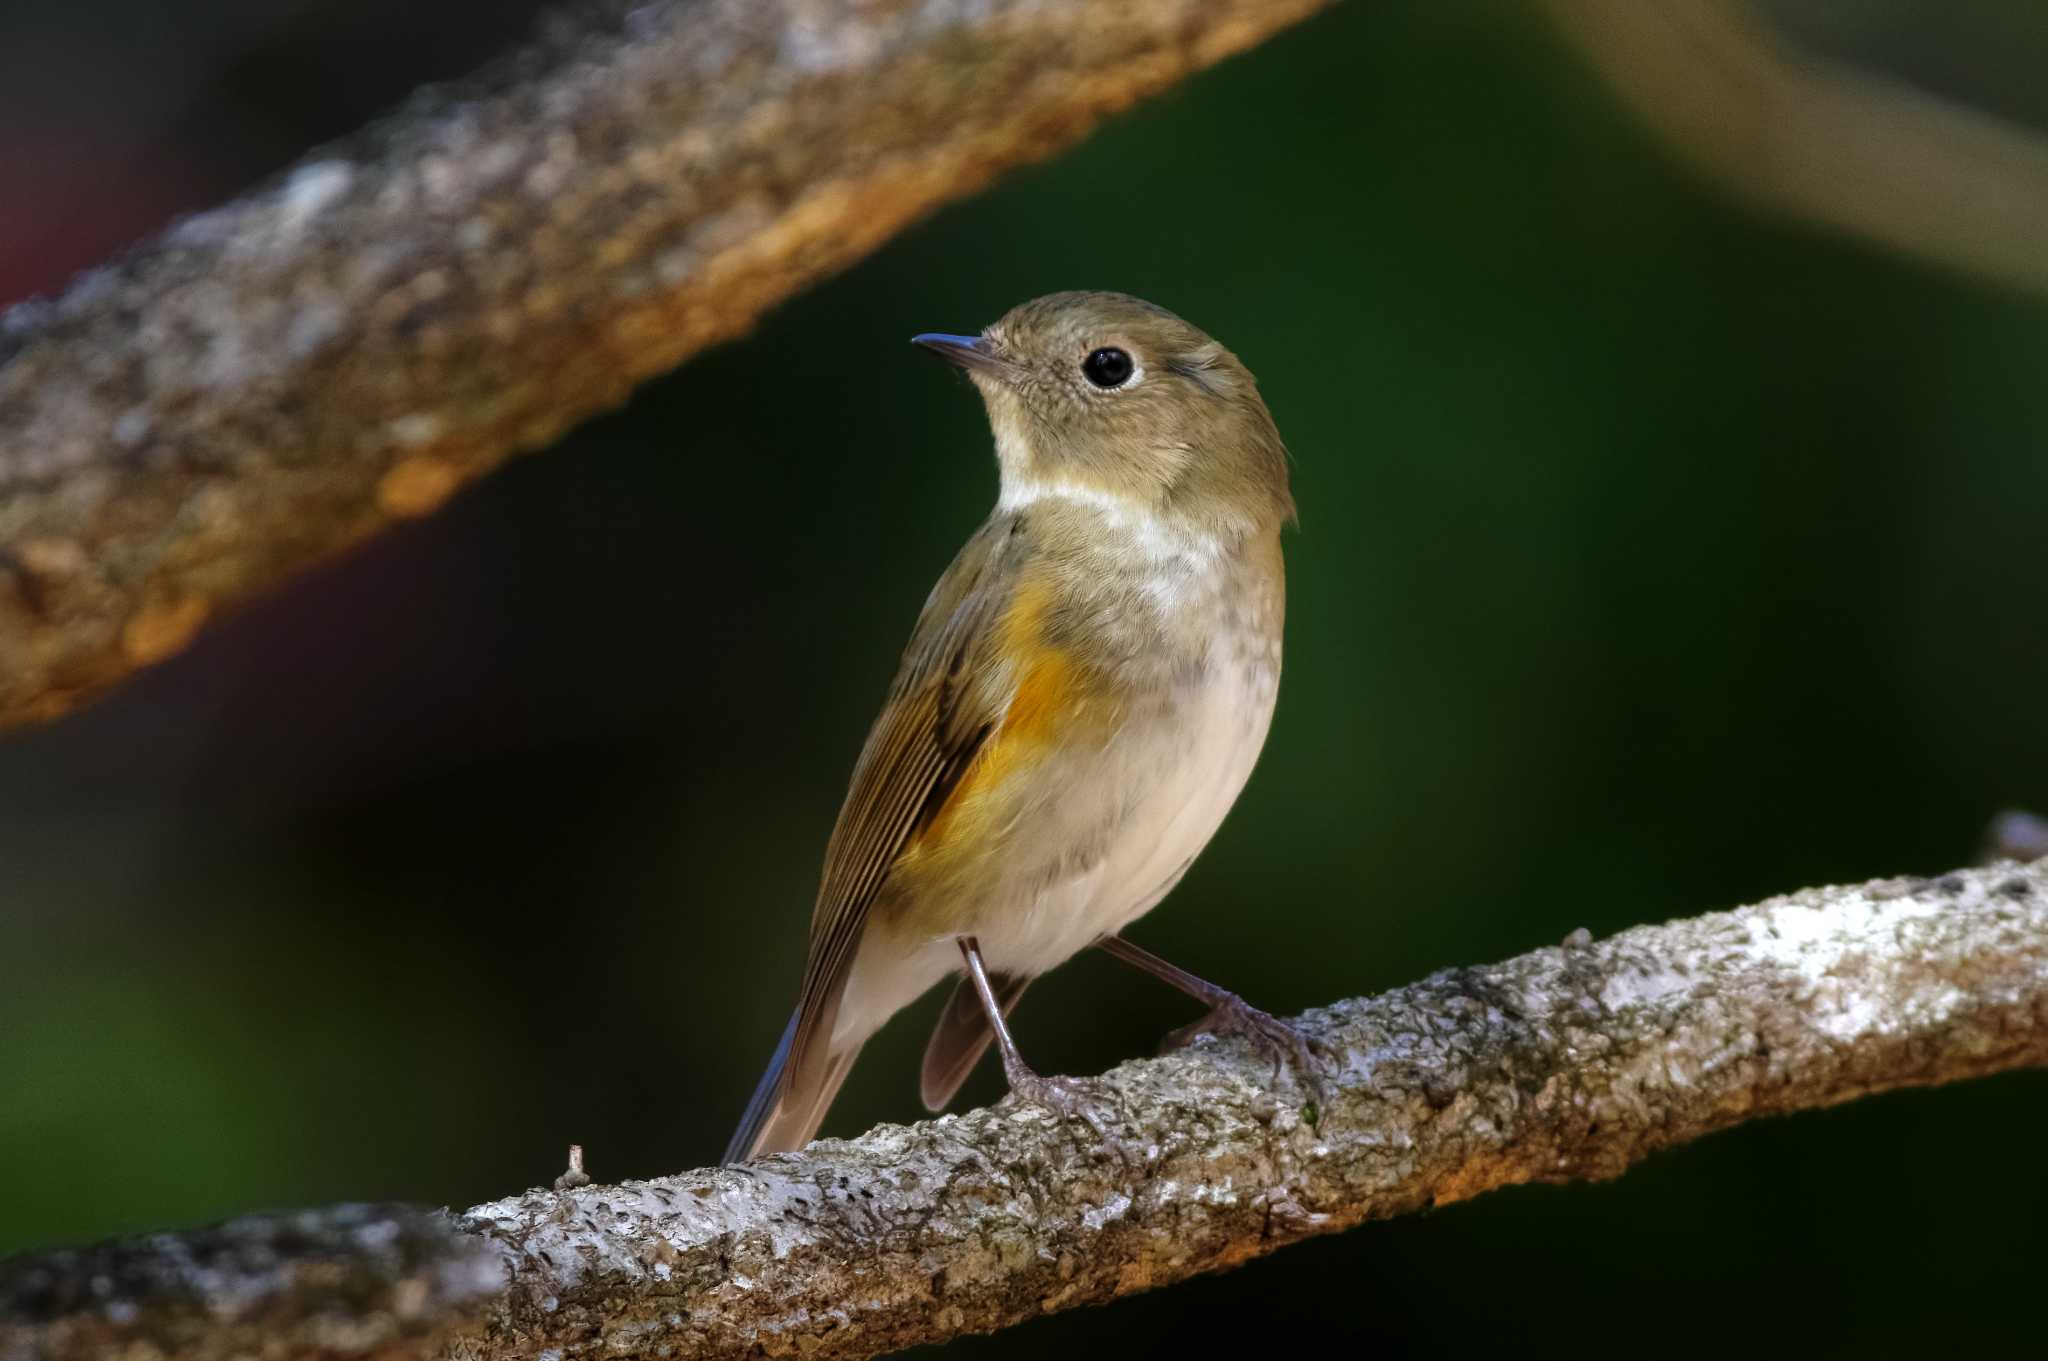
[
  {"x": 740, "y": 1148},
  {"x": 787, "y": 1106}
]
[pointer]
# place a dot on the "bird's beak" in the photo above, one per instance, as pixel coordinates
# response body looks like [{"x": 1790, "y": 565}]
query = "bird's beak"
[{"x": 972, "y": 353}]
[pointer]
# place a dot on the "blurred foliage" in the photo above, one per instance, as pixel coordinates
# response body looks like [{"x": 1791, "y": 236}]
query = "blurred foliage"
[{"x": 1653, "y": 558}]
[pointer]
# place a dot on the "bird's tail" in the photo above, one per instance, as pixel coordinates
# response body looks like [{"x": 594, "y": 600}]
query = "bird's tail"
[{"x": 788, "y": 1106}]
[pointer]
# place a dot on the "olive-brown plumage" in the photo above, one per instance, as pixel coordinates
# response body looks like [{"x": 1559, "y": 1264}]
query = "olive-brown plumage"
[{"x": 1082, "y": 698}]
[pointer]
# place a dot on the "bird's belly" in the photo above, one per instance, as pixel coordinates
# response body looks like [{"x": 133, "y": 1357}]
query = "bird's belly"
[
  {"x": 1092, "y": 841},
  {"x": 1160, "y": 791}
]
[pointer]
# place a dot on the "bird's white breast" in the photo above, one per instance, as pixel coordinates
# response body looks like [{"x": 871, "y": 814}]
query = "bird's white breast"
[
  {"x": 1184, "y": 789},
  {"x": 1144, "y": 805}
]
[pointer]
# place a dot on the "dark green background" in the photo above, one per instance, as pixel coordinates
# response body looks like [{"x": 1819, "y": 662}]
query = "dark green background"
[{"x": 1653, "y": 558}]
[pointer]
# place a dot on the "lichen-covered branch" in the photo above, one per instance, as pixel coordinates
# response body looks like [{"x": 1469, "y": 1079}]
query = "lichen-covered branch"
[
  {"x": 1812, "y": 139},
  {"x": 1567, "y": 1063},
  {"x": 267, "y": 382}
]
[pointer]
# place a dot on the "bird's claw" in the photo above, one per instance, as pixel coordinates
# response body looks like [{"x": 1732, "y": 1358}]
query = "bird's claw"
[
  {"x": 1310, "y": 1056},
  {"x": 1072, "y": 1099}
]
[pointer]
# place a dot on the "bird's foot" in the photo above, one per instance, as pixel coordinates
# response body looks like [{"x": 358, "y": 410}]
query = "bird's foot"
[
  {"x": 1311, "y": 1057},
  {"x": 1073, "y": 1099}
]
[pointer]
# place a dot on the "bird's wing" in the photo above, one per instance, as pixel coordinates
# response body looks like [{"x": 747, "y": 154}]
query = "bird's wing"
[{"x": 951, "y": 692}]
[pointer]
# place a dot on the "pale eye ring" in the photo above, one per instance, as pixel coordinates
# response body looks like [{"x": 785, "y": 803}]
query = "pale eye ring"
[{"x": 1109, "y": 367}]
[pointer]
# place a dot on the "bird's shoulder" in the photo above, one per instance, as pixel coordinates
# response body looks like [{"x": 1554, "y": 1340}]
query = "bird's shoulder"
[{"x": 990, "y": 609}]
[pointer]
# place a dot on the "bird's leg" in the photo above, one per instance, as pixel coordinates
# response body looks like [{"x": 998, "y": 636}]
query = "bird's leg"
[
  {"x": 1065, "y": 1096},
  {"x": 1228, "y": 1014},
  {"x": 1015, "y": 1069}
]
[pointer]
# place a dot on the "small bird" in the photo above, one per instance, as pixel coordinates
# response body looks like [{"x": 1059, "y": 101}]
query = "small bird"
[{"x": 1082, "y": 699}]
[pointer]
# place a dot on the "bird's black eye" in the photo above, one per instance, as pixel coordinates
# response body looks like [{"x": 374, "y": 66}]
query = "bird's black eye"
[{"x": 1108, "y": 367}]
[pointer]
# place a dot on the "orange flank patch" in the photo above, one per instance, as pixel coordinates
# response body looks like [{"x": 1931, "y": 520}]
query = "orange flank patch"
[
  {"x": 1044, "y": 697},
  {"x": 1049, "y": 702}
]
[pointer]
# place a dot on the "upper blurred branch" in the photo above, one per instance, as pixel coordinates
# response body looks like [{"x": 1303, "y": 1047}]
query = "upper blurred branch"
[
  {"x": 267, "y": 382},
  {"x": 1841, "y": 148},
  {"x": 1567, "y": 1063}
]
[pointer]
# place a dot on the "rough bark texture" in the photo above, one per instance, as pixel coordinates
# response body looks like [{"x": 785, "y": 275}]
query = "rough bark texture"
[
  {"x": 267, "y": 382},
  {"x": 1568, "y": 1063}
]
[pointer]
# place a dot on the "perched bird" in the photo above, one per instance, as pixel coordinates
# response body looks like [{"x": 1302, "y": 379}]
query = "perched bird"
[{"x": 1083, "y": 697}]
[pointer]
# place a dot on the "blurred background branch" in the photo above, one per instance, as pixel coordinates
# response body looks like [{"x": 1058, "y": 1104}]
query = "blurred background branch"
[
  {"x": 1815, "y": 140},
  {"x": 1569, "y": 1063},
  {"x": 267, "y": 382}
]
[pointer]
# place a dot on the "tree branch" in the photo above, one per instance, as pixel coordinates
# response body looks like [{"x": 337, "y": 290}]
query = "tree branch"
[
  {"x": 1567, "y": 1063},
  {"x": 266, "y": 383}
]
